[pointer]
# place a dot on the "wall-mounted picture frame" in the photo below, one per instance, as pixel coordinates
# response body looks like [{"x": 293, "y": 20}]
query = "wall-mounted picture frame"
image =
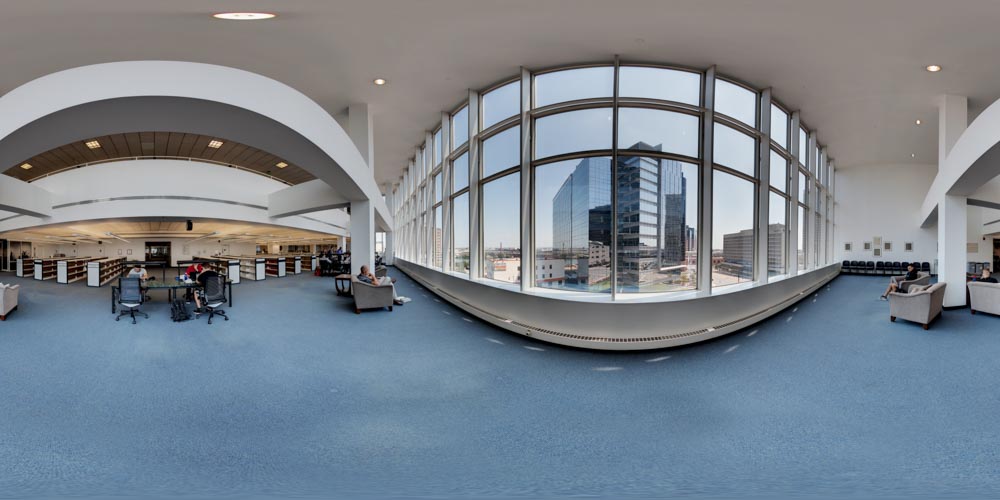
[
  {"x": 877, "y": 241},
  {"x": 908, "y": 246},
  {"x": 847, "y": 247},
  {"x": 878, "y": 252},
  {"x": 130, "y": 251},
  {"x": 868, "y": 246},
  {"x": 887, "y": 246},
  {"x": 119, "y": 251}
]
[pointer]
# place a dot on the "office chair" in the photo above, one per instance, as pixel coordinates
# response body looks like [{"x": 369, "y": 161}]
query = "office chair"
[
  {"x": 130, "y": 297},
  {"x": 215, "y": 297}
]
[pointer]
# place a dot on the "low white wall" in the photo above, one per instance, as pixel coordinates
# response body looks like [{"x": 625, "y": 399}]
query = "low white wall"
[
  {"x": 619, "y": 326},
  {"x": 884, "y": 200}
]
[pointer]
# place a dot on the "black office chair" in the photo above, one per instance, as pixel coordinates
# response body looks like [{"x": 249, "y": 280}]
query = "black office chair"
[
  {"x": 870, "y": 266},
  {"x": 880, "y": 267},
  {"x": 904, "y": 265},
  {"x": 898, "y": 268},
  {"x": 845, "y": 266},
  {"x": 130, "y": 297},
  {"x": 857, "y": 266},
  {"x": 215, "y": 297},
  {"x": 925, "y": 267}
]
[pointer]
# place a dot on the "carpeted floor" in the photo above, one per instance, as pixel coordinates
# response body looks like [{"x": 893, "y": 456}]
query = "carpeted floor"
[{"x": 298, "y": 396}]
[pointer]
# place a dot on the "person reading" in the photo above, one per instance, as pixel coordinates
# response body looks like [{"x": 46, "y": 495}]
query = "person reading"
[
  {"x": 367, "y": 277},
  {"x": 987, "y": 277},
  {"x": 895, "y": 281}
]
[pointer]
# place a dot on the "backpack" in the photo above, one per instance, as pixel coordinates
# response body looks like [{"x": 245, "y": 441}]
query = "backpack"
[{"x": 178, "y": 310}]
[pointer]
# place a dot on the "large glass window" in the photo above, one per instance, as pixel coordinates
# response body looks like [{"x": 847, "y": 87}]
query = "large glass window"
[
  {"x": 657, "y": 202},
  {"x": 779, "y": 126},
  {"x": 734, "y": 149},
  {"x": 779, "y": 172},
  {"x": 460, "y": 233},
  {"x": 656, "y": 130},
  {"x": 736, "y": 102},
  {"x": 460, "y": 128},
  {"x": 460, "y": 173},
  {"x": 437, "y": 239},
  {"x": 732, "y": 229},
  {"x": 501, "y": 103},
  {"x": 803, "y": 231},
  {"x": 776, "y": 233},
  {"x": 437, "y": 147},
  {"x": 584, "y": 130},
  {"x": 502, "y": 229},
  {"x": 502, "y": 151},
  {"x": 438, "y": 186},
  {"x": 574, "y": 84},
  {"x": 573, "y": 225},
  {"x": 803, "y": 188},
  {"x": 803, "y": 145},
  {"x": 660, "y": 83}
]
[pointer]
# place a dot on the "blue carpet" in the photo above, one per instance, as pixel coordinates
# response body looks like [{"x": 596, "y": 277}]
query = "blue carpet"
[{"x": 298, "y": 396}]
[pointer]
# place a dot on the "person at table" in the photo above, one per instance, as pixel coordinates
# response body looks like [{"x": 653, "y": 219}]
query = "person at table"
[
  {"x": 340, "y": 251},
  {"x": 193, "y": 270},
  {"x": 367, "y": 277},
  {"x": 987, "y": 277},
  {"x": 895, "y": 281},
  {"x": 203, "y": 278},
  {"x": 138, "y": 271}
]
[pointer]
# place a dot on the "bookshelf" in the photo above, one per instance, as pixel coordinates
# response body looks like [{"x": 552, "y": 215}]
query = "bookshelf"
[
  {"x": 101, "y": 271},
  {"x": 45, "y": 269},
  {"x": 72, "y": 270}
]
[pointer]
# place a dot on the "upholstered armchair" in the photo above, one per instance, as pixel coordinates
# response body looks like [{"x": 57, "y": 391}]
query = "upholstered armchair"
[
  {"x": 920, "y": 307},
  {"x": 368, "y": 296},
  {"x": 922, "y": 279},
  {"x": 8, "y": 300},
  {"x": 984, "y": 297}
]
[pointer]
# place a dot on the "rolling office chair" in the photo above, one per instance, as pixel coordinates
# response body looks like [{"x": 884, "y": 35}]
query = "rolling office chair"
[
  {"x": 215, "y": 297},
  {"x": 130, "y": 297}
]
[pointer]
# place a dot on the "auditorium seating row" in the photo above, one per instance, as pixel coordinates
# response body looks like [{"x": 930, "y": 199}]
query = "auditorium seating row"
[{"x": 881, "y": 268}]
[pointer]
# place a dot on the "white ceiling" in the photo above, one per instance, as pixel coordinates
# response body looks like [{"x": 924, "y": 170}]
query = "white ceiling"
[
  {"x": 165, "y": 227},
  {"x": 853, "y": 67}
]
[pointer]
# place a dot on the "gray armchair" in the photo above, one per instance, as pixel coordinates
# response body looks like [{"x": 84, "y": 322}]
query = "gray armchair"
[
  {"x": 368, "y": 296},
  {"x": 8, "y": 300},
  {"x": 984, "y": 297},
  {"x": 920, "y": 307},
  {"x": 922, "y": 279}
]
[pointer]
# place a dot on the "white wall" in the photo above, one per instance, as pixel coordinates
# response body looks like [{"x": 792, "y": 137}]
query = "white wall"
[
  {"x": 884, "y": 200},
  {"x": 200, "y": 248}
]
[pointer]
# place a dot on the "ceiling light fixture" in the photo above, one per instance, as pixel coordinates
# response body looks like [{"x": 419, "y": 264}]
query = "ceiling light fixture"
[
  {"x": 214, "y": 144},
  {"x": 93, "y": 144},
  {"x": 933, "y": 68},
  {"x": 913, "y": 155},
  {"x": 244, "y": 16},
  {"x": 379, "y": 81},
  {"x": 919, "y": 122},
  {"x": 281, "y": 164},
  {"x": 26, "y": 166}
]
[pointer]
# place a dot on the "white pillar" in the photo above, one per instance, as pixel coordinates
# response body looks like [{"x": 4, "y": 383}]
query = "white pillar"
[
  {"x": 953, "y": 119},
  {"x": 362, "y": 236},
  {"x": 953, "y": 113},
  {"x": 359, "y": 120}
]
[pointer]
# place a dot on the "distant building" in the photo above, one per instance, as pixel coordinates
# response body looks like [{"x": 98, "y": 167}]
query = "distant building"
[
  {"x": 738, "y": 252},
  {"x": 581, "y": 225}
]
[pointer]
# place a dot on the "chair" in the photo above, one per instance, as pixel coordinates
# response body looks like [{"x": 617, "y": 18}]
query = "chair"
[
  {"x": 870, "y": 267},
  {"x": 368, "y": 296},
  {"x": 215, "y": 297},
  {"x": 920, "y": 307},
  {"x": 880, "y": 267},
  {"x": 8, "y": 299},
  {"x": 895, "y": 268},
  {"x": 922, "y": 279},
  {"x": 925, "y": 267},
  {"x": 856, "y": 267},
  {"x": 130, "y": 297},
  {"x": 984, "y": 297},
  {"x": 845, "y": 266}
]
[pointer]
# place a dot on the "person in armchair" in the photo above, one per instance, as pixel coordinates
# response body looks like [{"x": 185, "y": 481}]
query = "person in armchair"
[{"x": 366, "y": 276}]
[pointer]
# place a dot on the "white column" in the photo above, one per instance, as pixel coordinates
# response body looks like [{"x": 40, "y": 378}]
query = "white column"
[
  {"x": 705, "y": 231},
  {"x": 359, "y": 120},
  {"x": 527, "y": 235},
  {"x": 763, "y": 188},
  {"x": 953, "y": 113},
  {"x": 475, "y": 174},
  {"x": 793, "y": 199},
  {"x": 362, "y": 236}
]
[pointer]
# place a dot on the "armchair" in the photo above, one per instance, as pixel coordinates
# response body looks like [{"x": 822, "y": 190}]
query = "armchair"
[
  {"x": 8, "y": 300},
  {"x": 920, "y": 307},
  {"x": 922, "y": 279},
  {"x": 984, "y": 297},
  {"x": 368, "y": 296}
]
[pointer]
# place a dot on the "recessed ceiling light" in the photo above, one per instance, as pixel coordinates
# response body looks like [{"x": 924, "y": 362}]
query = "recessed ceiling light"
[
  {"x": 379, "y": 81},
  {"x": 934, "y": 68},
  {"x": 26, "y": 166},
  {"x": 913, "y": 155},
  {"x": 281, "y": 164},
  {"x": 919, "y": 122},
  {"x": 93, "y": 144},
  {"x": 215, "y": 144},
  {"x": 244, "y": 16}
]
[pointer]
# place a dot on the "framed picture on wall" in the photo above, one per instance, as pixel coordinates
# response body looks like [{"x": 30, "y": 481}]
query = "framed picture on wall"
[
  {"x": 868, "y": 246},
  {"x": 119, "y": 251},
  {"x": 130, "y": 251},
  {"x": 847, "y": 247},
  {"x": 878, "y": 252},
  {"x": 908, "y": 246},
  {"x": 877, "y": 240},
  {"x": 887, "y": 246}
]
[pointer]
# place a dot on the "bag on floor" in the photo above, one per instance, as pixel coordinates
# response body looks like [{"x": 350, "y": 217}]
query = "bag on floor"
[{"x": 178, "y": 311}]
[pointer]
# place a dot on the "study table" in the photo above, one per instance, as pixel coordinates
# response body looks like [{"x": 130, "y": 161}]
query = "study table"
[{"x": 171, "y": 287}]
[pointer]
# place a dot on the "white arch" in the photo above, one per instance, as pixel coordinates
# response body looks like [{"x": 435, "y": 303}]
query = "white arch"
[{"x": 60, "y": 91}]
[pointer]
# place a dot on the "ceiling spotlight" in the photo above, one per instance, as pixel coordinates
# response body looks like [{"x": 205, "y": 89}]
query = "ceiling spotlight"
[
  {"x": 919, "y": 122},
  {"x": 379, "y": 81},
  {"x": 244, "y": 16},
  {"x": 26, "y": 166},
  {"x": 281, "y": 164},
  {"x": 215, "y": 144},
  {"x": 93, "y": 144},
  {"x": 934, "y": 68},
  {"x": 913, "y": 155}
]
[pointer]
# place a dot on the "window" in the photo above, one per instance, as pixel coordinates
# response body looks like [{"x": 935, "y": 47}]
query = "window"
[
  {"x": 657, "y": 215},
  {"x": 736, "y": 102},
  {"x": 573, "y": 224},
  {"x": 734, "y": 149},
  {"x": 803, "y": 187},
  {"x": 732, "y": 229},
  {"x": 437, "y": 147},
  {"x": 573, "y": 84},
  {"x": 803, "y": 145},
  {"x": 501, "y": 103},
  {"x": 803, "y": 231},
  {"x": 438, "y": 186},
  {"x": 584, "y": 130},
  {"x": 460, "y": 173},
  {"x": 660, "y": 83},
  {"x": 460, "y": 233},
  {"x": 777, "y": 264},
  {"x": 779, "y": 126},
  {"x": 501, "y": 201},
  {"x": 655, "y": 130},
  {"x": 502, "y": 151},
  {"x": 460, "y": 128},
  {"x": 779, "y": 172},
  {"x": 437, "y": 239}
]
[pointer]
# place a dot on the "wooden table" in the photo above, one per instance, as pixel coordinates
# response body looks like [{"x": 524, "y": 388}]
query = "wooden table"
[{"x": 343, "y": 284}]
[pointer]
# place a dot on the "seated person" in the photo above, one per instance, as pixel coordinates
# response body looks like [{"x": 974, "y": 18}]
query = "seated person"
[
  {"x": 367, "y": 277},
  {"x": 987, "y": 277},
  {"x": 894, "y": 282},
  {"x": 193, "y": 270},
  {"x": 202, "y": 279},
  {"x": 138, "y": 271}
]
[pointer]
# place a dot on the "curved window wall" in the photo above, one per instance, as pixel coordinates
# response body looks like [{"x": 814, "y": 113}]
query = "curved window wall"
[{"x": 618, "y": 179}]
